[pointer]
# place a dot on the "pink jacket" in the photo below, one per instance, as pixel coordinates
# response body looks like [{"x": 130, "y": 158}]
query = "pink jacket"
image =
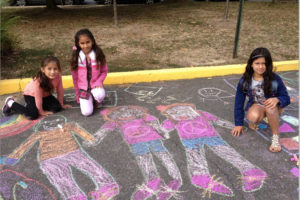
[
  {"x": 33, "y": 89},
  {"x": 80, "y": 74}
]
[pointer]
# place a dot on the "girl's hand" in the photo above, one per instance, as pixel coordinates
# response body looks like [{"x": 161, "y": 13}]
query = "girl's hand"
[
  {"x": 271, "y": 102},
  {"x": 45, "y": 113},
  {"x": 237, "y": 130},
  {"x": 66, "y": 106}
]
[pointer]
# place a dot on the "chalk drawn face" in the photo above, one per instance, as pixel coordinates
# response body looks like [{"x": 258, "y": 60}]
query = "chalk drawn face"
[
  {"x": 126, "y": 113},
  {"x": 52, "y": 122},
  {"x": 210, "y": 92},
  {"x": 182, "y": 112}
]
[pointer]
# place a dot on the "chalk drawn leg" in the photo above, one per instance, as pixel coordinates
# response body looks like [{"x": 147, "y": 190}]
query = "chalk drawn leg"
[
  {"x": 253, "y": 177},
  {"x": 200, "y": 176},
  {"x": 59, "y": 174},
  {"x": 153, "y": 181},
  {"x": 169, "y": 190}
]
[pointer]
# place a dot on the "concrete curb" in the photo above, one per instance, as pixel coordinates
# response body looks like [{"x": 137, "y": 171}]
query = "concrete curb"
[{"x": 17, "y": 85}]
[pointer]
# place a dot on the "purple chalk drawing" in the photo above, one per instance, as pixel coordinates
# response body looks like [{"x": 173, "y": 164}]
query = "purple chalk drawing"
[
  {"x": 195, "y": 130},
  {"x": 285, "y": 128},
  {"x": 143, "y": 133},
  {"x": 295, "y": 171},
  {"x": 14, "y": 185}
]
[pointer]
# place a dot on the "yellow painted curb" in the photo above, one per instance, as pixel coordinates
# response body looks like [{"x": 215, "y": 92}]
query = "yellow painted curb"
[{"x": 17, "y": 85}]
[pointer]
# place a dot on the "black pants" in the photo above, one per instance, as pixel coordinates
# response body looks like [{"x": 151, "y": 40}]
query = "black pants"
[{"x": 50, "y": 103}]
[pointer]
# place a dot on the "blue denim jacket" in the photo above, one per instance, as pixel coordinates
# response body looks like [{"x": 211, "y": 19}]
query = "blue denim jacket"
[{"x": 278, "y": 90}]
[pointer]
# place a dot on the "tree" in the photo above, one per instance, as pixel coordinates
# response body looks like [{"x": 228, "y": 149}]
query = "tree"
[{"x": 51, "y": 4}]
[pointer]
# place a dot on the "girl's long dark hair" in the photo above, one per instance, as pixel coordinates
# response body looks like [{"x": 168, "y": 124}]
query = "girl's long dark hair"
[
  {"x": 45, "y": 83},
  {"x": 267, "y": 75},
  {"x": 100, "y": 57}
]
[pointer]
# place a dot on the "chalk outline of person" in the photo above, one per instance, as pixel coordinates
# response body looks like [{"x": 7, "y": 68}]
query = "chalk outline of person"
[
  {"x": 60, "y": 159},
  {"x": 252, "y": 176},
  {"x": 154, "y": 185}
]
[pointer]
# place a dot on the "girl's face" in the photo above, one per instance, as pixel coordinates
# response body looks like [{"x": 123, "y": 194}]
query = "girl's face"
[
  {"x": 259, "y": 66},
  {"x": 85, "y": 44},
  {"x": 50, "y": 70}
]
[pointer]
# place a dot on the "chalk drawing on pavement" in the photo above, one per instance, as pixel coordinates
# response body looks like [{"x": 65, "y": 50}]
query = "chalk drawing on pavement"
[
  {"x": 144, "y": 134},
  {"x": 195, "y": 130},
  {"x": 58, "y": 151},
  {"x": 14, "y": 125},
  {"x": 215, "y": 94},
  {"x": 285, "y": 76},
  {"x": 110, "y": 100},
  {"x": 15, "y": 186},
  {"x": 149, "y": 95}
]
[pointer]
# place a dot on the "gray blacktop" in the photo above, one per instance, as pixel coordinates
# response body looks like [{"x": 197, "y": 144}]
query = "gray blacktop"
[{"x": 209, "y": 99}]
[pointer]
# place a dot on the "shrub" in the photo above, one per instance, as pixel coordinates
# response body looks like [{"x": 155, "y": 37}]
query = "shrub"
[{"x": 8, "y": 40}]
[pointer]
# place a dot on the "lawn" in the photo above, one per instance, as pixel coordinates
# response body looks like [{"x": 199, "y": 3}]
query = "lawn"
[{"x": 163, "y": 35}]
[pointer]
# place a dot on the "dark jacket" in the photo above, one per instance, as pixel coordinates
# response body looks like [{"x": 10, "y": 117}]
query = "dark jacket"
[{"x": 278, "y": 90}]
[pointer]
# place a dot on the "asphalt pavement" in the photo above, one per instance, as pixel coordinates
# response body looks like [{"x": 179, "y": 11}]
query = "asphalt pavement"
[{"x": 146, "y": 135}]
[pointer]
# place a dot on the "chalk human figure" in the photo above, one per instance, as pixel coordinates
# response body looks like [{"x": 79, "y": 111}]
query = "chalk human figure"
[
  {"x": 195, "y": 130},
  {"x": 144, "y": 135},
  {"x": 58, "y": 152},
  {"x": 267, "y": 95}
]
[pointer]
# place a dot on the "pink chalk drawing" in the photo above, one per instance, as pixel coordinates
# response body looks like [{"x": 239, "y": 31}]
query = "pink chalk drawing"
[
  {"x": 195, "y": 130},
  {"x": 58, "y": 151},
  {"x": 295, "y": 171},
  {"x": 144, "y": 134},
  {"x": 14, "y": 185},
  {"x": 285, "y": 128},
  {"x": 14, "y": 125},
  {"x": 289, "y": 143}
]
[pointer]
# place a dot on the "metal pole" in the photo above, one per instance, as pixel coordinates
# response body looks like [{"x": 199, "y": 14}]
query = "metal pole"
[
  {"x": 238, "y": 27},
  {"x": 226, "y": 10},
  {"x": 115, "y": 13}
]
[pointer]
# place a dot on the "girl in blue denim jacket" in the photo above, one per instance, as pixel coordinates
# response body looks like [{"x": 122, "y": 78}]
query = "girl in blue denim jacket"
[{"x": 267, "y": 96}]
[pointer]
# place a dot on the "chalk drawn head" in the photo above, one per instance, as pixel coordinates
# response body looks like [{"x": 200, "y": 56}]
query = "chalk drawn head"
[
  {"x": 50, "y": 122},
  {"x": 124, "y": 113},
  {"x": 209, "y": 92},
  {"x": 179, "y": 111}
]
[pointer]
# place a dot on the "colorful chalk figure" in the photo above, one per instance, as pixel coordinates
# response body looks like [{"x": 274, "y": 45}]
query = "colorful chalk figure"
[
  {"x": 144, "y": 135},
  {"x": 58, "y": 151},
  {"x": 195, "y": 130},
  {"x": 15, "y": 186}
]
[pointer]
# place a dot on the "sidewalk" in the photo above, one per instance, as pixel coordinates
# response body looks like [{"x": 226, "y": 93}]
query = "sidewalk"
[{"x": 244, "y": 166}]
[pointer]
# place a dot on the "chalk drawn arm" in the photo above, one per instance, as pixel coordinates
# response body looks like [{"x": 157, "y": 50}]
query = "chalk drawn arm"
[
  {"x": 17, "y": 154},
  {"x": 224, "y": 123},
  {"x": 159, "y": 129},
  {"x": 81, "y": 132},
  {"x": 98, "y": 137}
]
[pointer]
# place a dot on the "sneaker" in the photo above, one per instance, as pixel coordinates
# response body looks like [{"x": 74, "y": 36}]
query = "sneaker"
[{"x": 6, "y": 109}]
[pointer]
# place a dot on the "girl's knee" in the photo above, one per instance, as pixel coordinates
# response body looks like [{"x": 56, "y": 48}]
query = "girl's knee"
[
  {"x": 33, "y": 114},
  {"x": 86, "y": 112},
  {"x": 272, "y": 111},
  {"x": 253, "y": 116},
  {"x": 98, "y": 94}
]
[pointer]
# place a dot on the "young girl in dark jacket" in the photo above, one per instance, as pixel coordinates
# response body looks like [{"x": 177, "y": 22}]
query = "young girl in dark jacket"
[{"x": 267, "y": 96}]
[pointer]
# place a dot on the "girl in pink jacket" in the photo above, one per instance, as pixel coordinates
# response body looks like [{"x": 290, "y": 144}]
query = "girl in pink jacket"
[
  {"x": 89, "y": 70},
  {"x": 38, "y": 93}
]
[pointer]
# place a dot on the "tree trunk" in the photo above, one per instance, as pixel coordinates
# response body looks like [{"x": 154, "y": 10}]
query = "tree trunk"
[{"x": 50, "y": 4}]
